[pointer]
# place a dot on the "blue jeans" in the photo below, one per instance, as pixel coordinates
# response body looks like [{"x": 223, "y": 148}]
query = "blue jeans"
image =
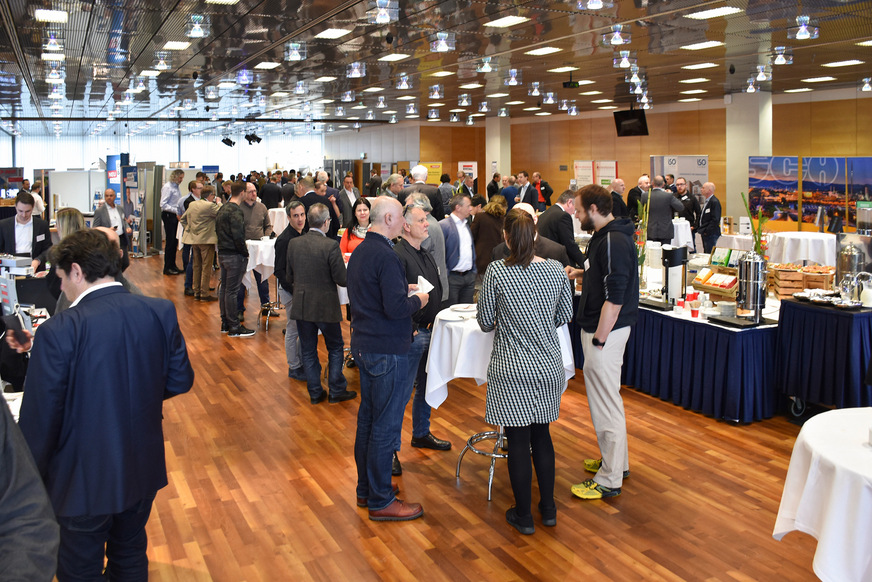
[
  {"x": 379, "y": 421},
  {"x": 262, "y": 290},
  {"x": 332, "y": 333},
  {"x": 188, "y": 266},
  {"x": 83, "y": 537},
  {"x": 292, "y": 338},
  {"x": 232, "y": 270},
  {"x": 418, "y": 373}
]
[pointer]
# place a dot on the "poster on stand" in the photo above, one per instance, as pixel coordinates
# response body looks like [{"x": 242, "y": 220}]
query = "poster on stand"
[
  {"x": 434, "y": 172},
  {"x": 583, "y": 171},
  {"x": 468, "y": 168},
  {"x": 823, "y": 186},
  {"x": 859, "y": 185},
  {"x": 606, "y": 172},
  {"x": 773, "y": 187},
  {"x": 694, "y": 169}
]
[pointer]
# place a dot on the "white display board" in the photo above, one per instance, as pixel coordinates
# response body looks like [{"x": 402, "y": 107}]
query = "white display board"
[
  {"x": 468, "y": 168},
  {"x": 583, "y": 172},
  {"x": 77, "y": 188},
  {"x": 694, "y": 169},
  {"x": 606, "y": 172}
]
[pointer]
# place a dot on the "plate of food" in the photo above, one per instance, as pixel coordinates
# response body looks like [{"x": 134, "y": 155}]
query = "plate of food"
[
  {"x": 819, "y": 300},
  {"x": 802, "y": 296},
  {"x": 465, "y": 308},
  {"x": 847, "y": 304}
]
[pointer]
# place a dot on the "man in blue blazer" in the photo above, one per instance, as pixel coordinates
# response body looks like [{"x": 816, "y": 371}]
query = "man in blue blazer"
[
  {"x": 92, "y": 410},
  {"x": 709, "y": 224},
  {"x": 459, "y": 251}
]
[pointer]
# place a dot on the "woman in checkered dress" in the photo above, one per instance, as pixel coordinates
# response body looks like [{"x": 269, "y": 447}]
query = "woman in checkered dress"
[{"x": 525, "y": 299}]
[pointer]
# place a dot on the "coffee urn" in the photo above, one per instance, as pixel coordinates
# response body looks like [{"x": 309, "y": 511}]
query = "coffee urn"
[
  {"x": 674, "y": 261},
  {"x": 753, "y": 284},
  {"x": 852, "y": 260}
]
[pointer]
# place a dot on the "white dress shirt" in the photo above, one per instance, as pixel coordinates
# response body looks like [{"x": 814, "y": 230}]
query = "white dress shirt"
[
  {"x": 464, "y": 261},
  {"x": 23, "y": 237}
]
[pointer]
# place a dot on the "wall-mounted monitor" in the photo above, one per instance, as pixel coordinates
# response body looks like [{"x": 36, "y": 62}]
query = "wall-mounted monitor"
[{"x": 631, "y": 122}]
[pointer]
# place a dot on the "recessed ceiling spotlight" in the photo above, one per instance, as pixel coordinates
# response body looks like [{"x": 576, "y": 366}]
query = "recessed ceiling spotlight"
[
  {"x": 818, "y": 79},
  {"x": 267, "y": 65},
  {"x": 849, "y": 63},
  {"x": 545, "y": 50},
  {"x": 713, "y": 13},
  {"x": 332, "y": 33},
  {"x": 698, "y": 66},
  {"x": 176, "y": 45},
  {"x": 506, "y": 21},
  {"x": 393, "y": 57},
  {"x": 566, "y": 69},
  {"x": 442, "y": 42},
  {"x": 702, "y": 45}
]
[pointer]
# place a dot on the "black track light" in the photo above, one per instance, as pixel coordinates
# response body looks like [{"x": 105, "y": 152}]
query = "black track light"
[
  {"x": 252, "y": 138},
  {"x": 228, "y": 142}
]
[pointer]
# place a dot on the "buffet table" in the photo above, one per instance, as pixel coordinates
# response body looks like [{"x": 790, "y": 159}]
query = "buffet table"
[
  {"x": 742, "y": 242},
  {"x": 795, "y": 247},
  {"x": 823, "y": 354},
  {"x": 459, "y": 349},
  {"x": 719, "y": 371},
  {"x": 828, "y": 493}
]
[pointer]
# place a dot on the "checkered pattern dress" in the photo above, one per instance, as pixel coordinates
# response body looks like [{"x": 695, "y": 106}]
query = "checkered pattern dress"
[{"x": 525, "y": 377}]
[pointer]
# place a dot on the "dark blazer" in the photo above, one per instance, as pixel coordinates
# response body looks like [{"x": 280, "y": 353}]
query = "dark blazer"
[
  {"x": 634, "y": 196},
  {"x": 311, "y": 198},
  {"x": 487, "y": 232},
  {"x": 271, "y": 195},
  {"x": 556, "y": 224},
  {"x": 432, "y": 193},
  {"x": 493, "y": 188},
  {"x": 41, "y": 239},
  {"x": 547, "y": 191},
  {"x": 542, "y": 247},
  {"x": 346, "y": 206},
  {"x": 691, "y": 207},
  {"x": 452, "y": 243},
  {"x": 101, "y": 218},
  {"x": 315, "y": 267},
  {"x": 98, "y": 376},
  {"x": 710, "y": 219},
  {"x": 530, "y": 195},
  {"x": 619, "y": 207},
  {"x": 660, "y": 210},
  {"x": 373, "y": 186}
]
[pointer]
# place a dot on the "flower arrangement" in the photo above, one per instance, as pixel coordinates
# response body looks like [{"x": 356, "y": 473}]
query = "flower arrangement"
[
  {"x": 760, "y": 246},
  {"x": 642, "y": 230}
]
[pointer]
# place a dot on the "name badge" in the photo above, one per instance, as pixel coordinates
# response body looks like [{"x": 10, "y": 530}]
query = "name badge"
[
  {"x": 40, "y": 237},
  {"x": 707, "y": 210},
  {"x": 587, "y": 264}
]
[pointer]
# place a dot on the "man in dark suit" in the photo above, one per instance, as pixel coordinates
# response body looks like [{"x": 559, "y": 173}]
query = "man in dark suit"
[
  {"x": 688, "y": 200},
  {"x": 467, "y": 188},
  {"x": 661, "y": 206},
  {"x": 494, "y": 186},
  {"x": 316, "y": 192},
  {"x": 709, "y": 225},
  {"x": 542, "y": 247},
  {"x": 92, "y": 409},
  {"x": 619, "y": 207},
  {"x": 271, "y": 193},
  {"x": 25, "y": 234},
  {"x": 374, "y": 185},
  {"x": 333, "y": 193},
  {"x": 635, "y": 195},
  {"x": 543, "y": 192},
  {"x": 526, "y": 192},
  {"x": 315, "y": 267},
  {"x": 348, "y": 195},
  {"x": 419, "y": 174},
  {"x": 556, "y": 224},
  {"x": 112, "y": 216}
]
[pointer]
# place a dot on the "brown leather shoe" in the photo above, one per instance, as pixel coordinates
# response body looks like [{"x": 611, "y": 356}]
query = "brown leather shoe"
[
  {"x": 361, "y": 501},
  {"x": 399, "y": 510}
]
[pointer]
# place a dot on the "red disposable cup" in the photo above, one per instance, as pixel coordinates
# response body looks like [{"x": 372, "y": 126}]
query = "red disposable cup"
[
  {"x": 694, "y": 311},
  {"x": 679, "y": 302},
  {"x": 692, "y": 296}
]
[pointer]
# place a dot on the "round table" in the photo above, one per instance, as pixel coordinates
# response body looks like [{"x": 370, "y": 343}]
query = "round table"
[
  {"x": 795, "y": 247},
  {"x": 828, "y": 493},
  {"x": 261, "y": 258},
  {"x": 742, "y": 242},
  {"x": 278, "y": 218}
]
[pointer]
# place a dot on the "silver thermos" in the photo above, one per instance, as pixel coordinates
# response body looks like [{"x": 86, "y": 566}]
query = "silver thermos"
[
  {"x": 852, "y": 260},
  {"x": 753, "y": 283}
]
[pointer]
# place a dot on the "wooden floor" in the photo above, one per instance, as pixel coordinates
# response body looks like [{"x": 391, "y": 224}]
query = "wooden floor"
[{"x": 262, "y": 484}]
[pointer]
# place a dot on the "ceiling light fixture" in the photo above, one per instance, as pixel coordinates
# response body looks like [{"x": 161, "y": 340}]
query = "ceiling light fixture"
[
  {"x": 471, "y": 86},
  {"x": 162, "y": 61},
  {"x": 799, "y": 90},
  {"x": 865, "y": 85},
  {"x": 383, "y": 11},
  {"x": 763, "y": 73},
  {"x": 52, "y": 56},
  {"x": 295, "y": 51},
  {"x": 805, "y": 29},
  {"x": 198, "y": 26},
  {"x": 339, "y": 111},
  {"x": 484, "y": 66},
  {"x": 783, "y": 56},
  {"x": 483, "y": 107},
  {"x": 381, "y": 103},
  {"x": 624, "y": 59},
  {"x": 228, "y": 142},
  {"x": 817, "y": 79},
  {"x": 504, "y": 112},
  {"x": 393, "y": 57},
  {"x": 436, "y": 92},
  {"x": 370, "y": 115},
  {"x": 356, "y": 70},
  {"x": 594, "y": 4},
  {"x": 619, "y": 35},
  {"x": 533, "y": 91},
  {"x": 404, "y": 83},
  {"x": 463, "y": 100},
  {"x": 442, "y": 74},
  {"x": 470, "y": 120},
  {"x": 513, "y": 79},
  {"x": 751, "y": 88},
  {"x": 267, "y": 65},
  {"x": 549, "y": 98},
  {"x": 702, "y": 45},
  {"x": 442, "y": 42},
  {"x": 243, "y": 77},
  {"x": 42, "y": 15},
  {"x": 176, "y": 45},
  {"x": 849, "y": 63},
  {"x": 332, "y": 33},
  {"x": 454, "y": 118},
  {"x": 566, "y": 69},
  {"x": 545, "y": 50},
  {"x": 573, "y": 109},
  {"x": 433, "y": 114},
  {"x": 506, "y": 21},
  {"x": 393, "y": 119},
  {"x": 698, "y": 66},
  {"x": 713, "y": 13},
  {"x": 52, "y": 43},
  {"x": 563, "y": 104},
  {"x": 411, "y": 109},
  {"x": 300, "y": 88}
]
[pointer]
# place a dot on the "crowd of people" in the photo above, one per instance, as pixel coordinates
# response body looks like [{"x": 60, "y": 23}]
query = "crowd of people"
[{"x": 403, "y": 256}]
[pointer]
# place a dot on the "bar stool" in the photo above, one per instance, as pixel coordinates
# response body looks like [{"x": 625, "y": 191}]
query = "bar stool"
[{"x": 499, "y": 437}]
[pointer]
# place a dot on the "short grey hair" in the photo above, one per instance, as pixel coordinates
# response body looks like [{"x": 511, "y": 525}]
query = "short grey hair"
[
  {"x": 392, "y": 179},
  {"x": 419, "y": 200},
  {"x": 419, "y": 173},
  {"x": 318, "y": 215},
  {"x": 292, "y": 205},
  {"x": 177, "y": 173},
  {"x": 321, "y": 176}
]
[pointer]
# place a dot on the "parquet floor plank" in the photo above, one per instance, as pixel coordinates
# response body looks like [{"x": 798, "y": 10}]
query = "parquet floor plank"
[{"x": 262, "y": 484}]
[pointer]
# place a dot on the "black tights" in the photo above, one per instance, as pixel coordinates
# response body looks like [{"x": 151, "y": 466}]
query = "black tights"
[{"x": 521, "y": 440}]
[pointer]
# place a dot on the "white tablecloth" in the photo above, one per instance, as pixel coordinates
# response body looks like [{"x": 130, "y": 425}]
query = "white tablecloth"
[
  {"x": 278, "y": 218},
  {"x": 794, "y": 247},
  {"x": 261, "y": 258},
  {"x": 682, "y": 236},
  {"x": 742, "y": 242},
  {"x": 828, "y": 493},
  {"x": 459, "y": 349}
]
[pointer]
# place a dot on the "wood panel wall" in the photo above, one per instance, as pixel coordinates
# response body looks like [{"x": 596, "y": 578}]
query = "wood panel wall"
[
  {"x": 451, "y": 144},
  {"x": 546, "y": 145}
]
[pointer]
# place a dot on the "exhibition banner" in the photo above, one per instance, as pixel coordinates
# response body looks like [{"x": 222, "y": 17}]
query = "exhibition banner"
[
  {"x": 694, "y": 169},
  {"x": 583, "y": 172},
  {"x": 605, "y": 172},
  {"x": 434, "y": 172}
]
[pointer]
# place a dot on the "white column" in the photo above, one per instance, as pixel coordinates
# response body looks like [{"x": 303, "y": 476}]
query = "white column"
[
  {"x": 749, "y": 133},
  {"x": 498, "y": 148}
]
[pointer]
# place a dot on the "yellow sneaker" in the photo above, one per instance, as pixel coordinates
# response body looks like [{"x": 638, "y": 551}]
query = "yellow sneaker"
[
  {"x": 593, "y": 465},
  {"x": 590, "y": 489}
]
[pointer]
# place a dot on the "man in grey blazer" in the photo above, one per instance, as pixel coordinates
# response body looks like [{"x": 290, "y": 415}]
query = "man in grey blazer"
[
  {"x": 112, "y": 216},
  {"x": 662, "y": 205},
  {"x": 315, "y": 267}
]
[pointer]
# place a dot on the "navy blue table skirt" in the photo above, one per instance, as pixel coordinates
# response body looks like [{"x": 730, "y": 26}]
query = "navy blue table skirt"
[{"x": 823, "y": 354}]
